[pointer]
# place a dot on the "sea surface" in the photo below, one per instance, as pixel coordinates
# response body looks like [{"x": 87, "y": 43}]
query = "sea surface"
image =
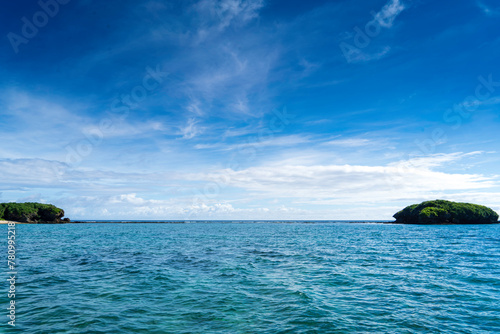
[{"x": 256, "y": 278}]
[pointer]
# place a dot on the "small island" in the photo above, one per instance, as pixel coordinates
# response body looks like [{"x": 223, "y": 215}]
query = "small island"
[
  {"x": 446, "y": 212},
  {"x": 32, "y": 213}
]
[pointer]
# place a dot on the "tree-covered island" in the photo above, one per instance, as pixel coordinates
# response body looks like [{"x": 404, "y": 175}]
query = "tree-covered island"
[
  {"x": 446, "y": 212},
  {"x": 34, "y": 213}
]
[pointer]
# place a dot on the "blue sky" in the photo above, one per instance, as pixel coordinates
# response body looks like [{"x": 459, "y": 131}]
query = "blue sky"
[{"x": 232, "y": 109}]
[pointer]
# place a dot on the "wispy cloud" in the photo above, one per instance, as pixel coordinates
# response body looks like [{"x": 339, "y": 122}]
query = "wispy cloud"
[
  {"x": 386, "y": 16},
  {"x": 191, "y": 129},
  {"x": 352, "y": 142},
  {"x": 354, "y": 44},
  {"x": 471, "y": 105},
  {"x": 434, "y": 160},
  {"x": 217, "y": 15},
  {"x": 279, "y": 141},
  {"x": 359, "y": 56}
]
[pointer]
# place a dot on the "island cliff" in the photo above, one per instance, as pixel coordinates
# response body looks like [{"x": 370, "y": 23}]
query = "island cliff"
[
  {"x": 34, "y": 213},
  {"x": 446, "y": 212}
]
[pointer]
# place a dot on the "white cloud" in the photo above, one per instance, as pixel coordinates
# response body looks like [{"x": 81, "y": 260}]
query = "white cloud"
[
  {"x": 351, "y": 142},
  {"x": 195, "y": 108},
  {"x": 472, "y": 105},
  {"x": 319, "y": 121},
  {"x": 227, "y": 75},
  {"x": 131, "y": 206},
  {"x": 350, "y": 181},
  {"x": 220, "y": 14},
  {"x": 268, "y": 191},
  {"x": 267, "y": 140},
  {"x": 215, "y": 16},
  {"x": 37, "y": 120},
  {"x": 19, "y": 173},
  {"x": 358, "y": 56},
  {"x": 128, "y": 199},
  {"x": 433, "y": 160},
  {"x": 238, "y": 131},
  {"x": 191, "y": 129},
  {"x": 386, "y": 16},
  {"x": 341, "y": 184}
]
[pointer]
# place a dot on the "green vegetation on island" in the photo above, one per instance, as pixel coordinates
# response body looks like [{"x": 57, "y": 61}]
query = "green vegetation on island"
[
  {"x": 35, "y": 213},
  {"x": 446, "y": 212}
]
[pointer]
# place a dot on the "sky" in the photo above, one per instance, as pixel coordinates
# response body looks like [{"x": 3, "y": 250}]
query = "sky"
[{"x": 257, "y": 109}]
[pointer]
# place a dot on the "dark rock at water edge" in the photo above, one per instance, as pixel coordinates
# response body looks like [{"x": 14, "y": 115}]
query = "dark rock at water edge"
[
  {"x": 34, "y": 213},
  {"x": 446, "y": 212}
]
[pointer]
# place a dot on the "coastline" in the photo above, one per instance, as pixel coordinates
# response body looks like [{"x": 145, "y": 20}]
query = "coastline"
[
  {"x": 5, "y": 222},
  {"x": 227, "y": 221}
]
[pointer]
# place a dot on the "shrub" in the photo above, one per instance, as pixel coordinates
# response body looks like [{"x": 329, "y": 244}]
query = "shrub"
[
  {"x": 446, "y": 212},
  {"x": 30, "y": 212}
]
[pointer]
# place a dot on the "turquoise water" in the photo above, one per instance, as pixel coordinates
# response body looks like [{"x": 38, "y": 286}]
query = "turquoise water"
[{"x": 257, "y": 278}]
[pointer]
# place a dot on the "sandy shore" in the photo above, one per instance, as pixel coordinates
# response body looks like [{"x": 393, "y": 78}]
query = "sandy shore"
[{"x": 9, "y": 221}]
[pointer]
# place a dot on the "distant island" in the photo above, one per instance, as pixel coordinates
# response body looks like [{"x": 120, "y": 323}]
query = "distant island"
[
  {"x": 438, "y": 212},
  {"x": 446, "y": 212},
  {"x": 32, "y": 213}
]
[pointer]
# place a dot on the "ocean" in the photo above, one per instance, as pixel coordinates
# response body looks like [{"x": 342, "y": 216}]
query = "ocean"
[{"x": 221, "y": 277}]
